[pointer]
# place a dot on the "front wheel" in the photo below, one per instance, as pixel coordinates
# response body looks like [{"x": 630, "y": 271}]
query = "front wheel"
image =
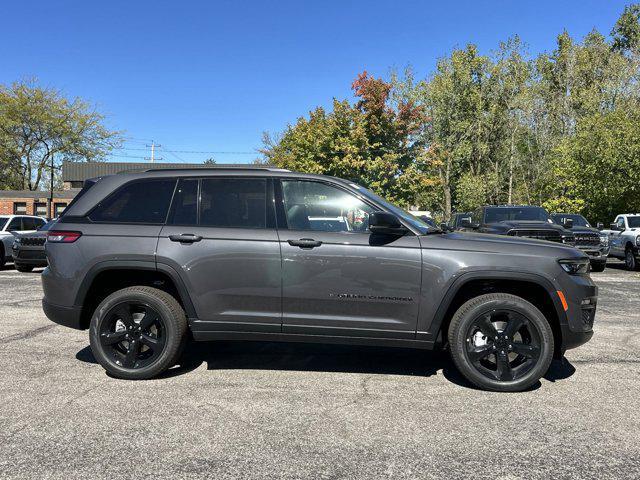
[
  {"x": 24, "y": 268},
  {"x": 501, "y": 342},
  {"x": 138, "y": 332},
  {"x": 598, "y": 266},
  {"x": 630, "y": 262}
]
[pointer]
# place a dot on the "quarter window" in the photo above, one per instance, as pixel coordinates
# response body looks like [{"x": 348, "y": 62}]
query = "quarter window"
[
  {"x": 317, "y": 206},
  {"x": 233, "y": 202},
  {"x": 137, "y": 202}
]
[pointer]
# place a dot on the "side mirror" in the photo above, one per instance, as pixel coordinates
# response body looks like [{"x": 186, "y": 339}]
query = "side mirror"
[
  {"x": 445, "y": 227},
  {"x": 600, "y": 226},
  {"x": 613, "y": 226},
  {"x": 386, "y": 223},
  {"x": 466, "y": 223},
  {"x": 568, "y": 223}
]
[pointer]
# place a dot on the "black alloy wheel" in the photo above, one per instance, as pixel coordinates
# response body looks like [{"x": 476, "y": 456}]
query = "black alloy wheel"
[
  {"x": 503, "y": 345},
  {"x": 501, "y": 342},
  {"x": 133, "y": 334},
  {"x": 138, "y": 332}
]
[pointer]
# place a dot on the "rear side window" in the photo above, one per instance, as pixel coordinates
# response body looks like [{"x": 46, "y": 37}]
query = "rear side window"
[
  {"x": 233, "y": 202},
  {"x": 145, "y": 201},
  {"x": 185, "y": 203}
]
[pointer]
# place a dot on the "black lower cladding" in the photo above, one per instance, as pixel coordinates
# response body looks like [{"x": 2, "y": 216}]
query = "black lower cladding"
[{"x": 62, "y": 315}]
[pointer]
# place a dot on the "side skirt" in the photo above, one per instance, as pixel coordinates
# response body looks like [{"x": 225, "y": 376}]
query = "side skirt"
[{"x": 207, "y": 336}]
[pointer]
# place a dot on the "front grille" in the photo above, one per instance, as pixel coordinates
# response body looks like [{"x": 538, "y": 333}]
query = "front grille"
[
  {"x": 31, "y": 254},
  {"x": 33, "y": 241},
  {"x": 587, "y": 239},
  {"x": 551, "y": 235}
]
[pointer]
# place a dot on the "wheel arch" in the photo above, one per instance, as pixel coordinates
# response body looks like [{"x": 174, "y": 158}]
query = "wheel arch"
[
  {"x": 534, "y": 288},
  {"x": 106, "y": 277}
]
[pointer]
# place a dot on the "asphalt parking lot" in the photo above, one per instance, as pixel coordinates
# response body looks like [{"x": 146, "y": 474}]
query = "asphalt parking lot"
[{"x": 246, "y": 410}]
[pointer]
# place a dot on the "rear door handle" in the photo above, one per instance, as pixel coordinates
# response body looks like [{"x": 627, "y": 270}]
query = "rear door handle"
[
  {"x": 185, "y": 238},
  {"x": 305, "y": 243}
]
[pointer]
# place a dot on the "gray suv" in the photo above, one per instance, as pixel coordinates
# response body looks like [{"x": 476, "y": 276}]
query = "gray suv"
[{"x": 148, "y": 260}]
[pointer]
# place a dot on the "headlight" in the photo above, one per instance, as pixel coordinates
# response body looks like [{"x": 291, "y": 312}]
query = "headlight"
[
  {"x": 637, "y": 241},
  {"x": 577, "y": 266},
  {"x": 17, "y": 240},
  {"x": 604, "y": 240}
]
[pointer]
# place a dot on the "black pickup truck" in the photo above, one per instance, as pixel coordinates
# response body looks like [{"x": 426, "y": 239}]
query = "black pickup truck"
[{"x": 518, "y": 221}]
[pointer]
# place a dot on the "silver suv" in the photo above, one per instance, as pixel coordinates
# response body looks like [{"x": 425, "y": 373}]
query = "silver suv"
[
  {"x": 147, "y": 260},
  {"x": 10, "y": 226}
]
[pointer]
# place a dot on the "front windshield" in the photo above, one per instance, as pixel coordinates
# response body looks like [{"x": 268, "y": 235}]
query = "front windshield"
[
  {"x": 634, "y": 222},
  {"x": 3, "y": 222},
  {"x": 415, "y": 222},
  {"x": 505, "y": 214},
  {"x": 578, "y": 220}
]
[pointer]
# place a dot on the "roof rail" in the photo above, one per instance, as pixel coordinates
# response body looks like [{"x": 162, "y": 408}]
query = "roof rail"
[{"x": 221, "y": 167}]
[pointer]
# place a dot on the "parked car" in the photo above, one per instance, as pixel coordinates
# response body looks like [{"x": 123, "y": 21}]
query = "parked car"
[
  {"x": 587, "y": 238},
  {"x": 28, "y": 249},
  {"x": 10, "y": 225},
  {"x": 517, "y": 221},
  {"x": 146, "y": 260},
  {"x": 428, "y": 220},
  {"x": 624, "y": 238}
]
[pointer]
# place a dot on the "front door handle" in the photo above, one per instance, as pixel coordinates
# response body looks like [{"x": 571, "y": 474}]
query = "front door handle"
[
  {"x": 185, "y": 238},
  {"x": 305, "y": 243}
]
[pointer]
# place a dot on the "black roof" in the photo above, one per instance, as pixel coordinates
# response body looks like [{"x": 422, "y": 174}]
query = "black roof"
[{"x": 81, "y": 171}]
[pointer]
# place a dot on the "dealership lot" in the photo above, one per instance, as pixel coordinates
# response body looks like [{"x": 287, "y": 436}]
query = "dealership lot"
[{"x": 247, "y": 410}]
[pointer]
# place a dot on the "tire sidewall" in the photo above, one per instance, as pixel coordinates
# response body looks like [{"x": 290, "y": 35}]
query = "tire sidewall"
[
  {"x": 630, "y": 260},
  {"x": 458, "y": 342},
  {"x": 173, "y": 334}
]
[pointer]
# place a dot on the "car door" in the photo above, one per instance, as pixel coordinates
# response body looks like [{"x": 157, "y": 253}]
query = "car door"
[
  {"x": 616, "y": 239},
  {"x": 221, "y": 238},
  {"x": 337, "y": 277}
]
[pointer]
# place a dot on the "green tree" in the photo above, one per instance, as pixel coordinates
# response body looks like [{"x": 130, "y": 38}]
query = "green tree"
[
  {"x": 40, "y": 125},
  {"x": 373, "y": 142}
]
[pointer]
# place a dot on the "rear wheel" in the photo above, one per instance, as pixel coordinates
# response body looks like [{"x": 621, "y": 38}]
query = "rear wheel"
[
  {"x": 501, "y": 342},
  {"x": 630, "y": 262},
  {"x": 2, "y": 259},
  {"x": 24, "y": 268},
  {"x": 138, "y": 332}
]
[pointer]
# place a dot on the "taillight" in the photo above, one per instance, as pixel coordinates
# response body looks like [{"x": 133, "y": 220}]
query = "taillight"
[{"x": 63, "y": 237}]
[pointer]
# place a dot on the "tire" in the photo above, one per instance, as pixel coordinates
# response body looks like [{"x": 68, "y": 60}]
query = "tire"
[
  {"x": 630, "y": 262},
  {"x": 24, "y": 268},
  {"x": 598, "y": 266},
  {"x": 3, "y": 260},
  {"x": 152, "y": 355},
  {"x": 525, "y": 354}
]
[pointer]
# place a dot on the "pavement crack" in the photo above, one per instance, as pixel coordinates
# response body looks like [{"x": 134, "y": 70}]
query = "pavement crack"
[{"x": 28, "y": 334}]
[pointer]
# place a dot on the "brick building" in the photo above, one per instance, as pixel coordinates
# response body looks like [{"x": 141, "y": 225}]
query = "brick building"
[{"x": 29, "y": 202}]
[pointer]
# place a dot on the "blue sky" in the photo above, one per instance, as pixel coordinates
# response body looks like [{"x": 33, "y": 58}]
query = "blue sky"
[{"x": 213, "y": 75}]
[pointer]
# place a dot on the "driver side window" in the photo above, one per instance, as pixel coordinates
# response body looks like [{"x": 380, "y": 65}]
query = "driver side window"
[
  {"x": 620, "y": 222},
  {"x": 316, "y": 206}
]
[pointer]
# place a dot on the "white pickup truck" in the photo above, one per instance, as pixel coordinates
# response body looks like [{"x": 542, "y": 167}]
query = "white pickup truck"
[{"x": 624, "y": 239}]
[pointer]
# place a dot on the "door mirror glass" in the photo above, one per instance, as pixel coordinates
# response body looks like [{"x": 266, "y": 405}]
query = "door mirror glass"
[
  {"x": 386, "y": 223},
  {"x": 568, "y": 223},
  {"x": 600, "y": 226},
  {"x": 614, "y": 226}
]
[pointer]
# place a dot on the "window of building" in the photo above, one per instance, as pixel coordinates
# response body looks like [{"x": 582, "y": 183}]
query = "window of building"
[
  {"x": 145, "y": 201},
  {"x": 320, "y": 207},
  {"x": 41, "y": 209},
  {"x": 20, "y": 208},
  {"x": 58, "y": 208},
  {"x": 233, "y": 202}
]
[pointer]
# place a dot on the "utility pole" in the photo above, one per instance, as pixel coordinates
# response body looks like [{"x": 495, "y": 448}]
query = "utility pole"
[
  {"x": 153, "y": 150},
  {"x": 51, "y": 212}
]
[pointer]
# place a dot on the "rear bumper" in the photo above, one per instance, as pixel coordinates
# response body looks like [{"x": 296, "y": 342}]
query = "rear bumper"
[{"x": 66, "y": 316}]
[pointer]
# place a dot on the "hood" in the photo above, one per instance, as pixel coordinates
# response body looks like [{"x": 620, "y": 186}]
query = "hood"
[
  {"x": 585, "y": 230},
  {"x": 528, "y": 224},
  {"x": 486, "y": 242}
]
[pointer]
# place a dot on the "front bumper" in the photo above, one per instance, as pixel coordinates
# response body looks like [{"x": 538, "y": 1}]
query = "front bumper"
[
  {"x": 28, "y": 255},
  {"x": 596, "y": 253},
  {"x": 582, "y": 298},
  {"x": 66, "y": 316}
]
